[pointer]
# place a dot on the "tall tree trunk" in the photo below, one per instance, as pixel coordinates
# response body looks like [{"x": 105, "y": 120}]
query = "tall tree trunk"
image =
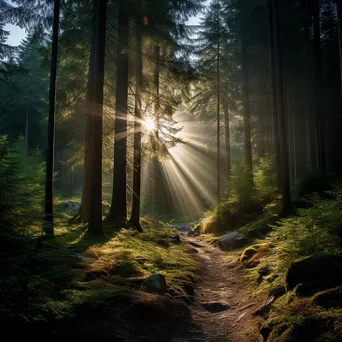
[
  {"x": 51, "y": 125},
  {"x": 135, "y": 214},
  {"x": 339, "y": 32},
  {"x": 273, "y": 92},
  {"x": 118, "y": 209},
  {"x": 157, "y": 187},
  {"x": 83, "y": 213},
  {"x": 318, "y": 86},
  {"x": 227, "y": 138},
  {"x": 96, "y": 107},
  {"x": 246, "y": 109},
  {"x": 218, "y": 110},
  {"x": 261, "y": 121},
  {"x": 308, "y": 102},
  {"x": 287, "y": 207}
]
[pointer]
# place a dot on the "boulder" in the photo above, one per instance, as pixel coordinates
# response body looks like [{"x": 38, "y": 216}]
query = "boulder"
[
  {"x": 320, "y": 270},
  {"x": 331, "y": 298},
  {"x": 155, "y": 283},
  {"x": 231, "y": 241}
]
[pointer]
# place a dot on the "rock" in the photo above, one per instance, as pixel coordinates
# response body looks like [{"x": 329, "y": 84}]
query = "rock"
[
  {"x": 263, "y": 271},
  {"x": 320, "y": 270},
  {"x": 175, "y": 239},
  {"x": 331, "y": 298},
  {"x": 195, "y": 244},
  {"x": 277, "y": 292},
  {"x": 215, "y": 306},
  {"x": 155, "y": 283},
  {"x": 231, "y": 241}
]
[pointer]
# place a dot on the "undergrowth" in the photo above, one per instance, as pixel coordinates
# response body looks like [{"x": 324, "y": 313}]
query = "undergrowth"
[{"x": 52, "y": 281}]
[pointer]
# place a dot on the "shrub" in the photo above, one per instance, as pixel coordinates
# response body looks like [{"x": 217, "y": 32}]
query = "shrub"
[{"x": 21, "y": 187}]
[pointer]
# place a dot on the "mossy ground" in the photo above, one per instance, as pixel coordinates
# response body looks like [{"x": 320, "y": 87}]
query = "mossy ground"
[{"x": 77, "y": 276}]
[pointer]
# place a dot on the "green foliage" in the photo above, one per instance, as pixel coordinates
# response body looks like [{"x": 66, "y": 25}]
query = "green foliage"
[
  {"x": 317, "y": 229},
  {"x": 265, "y": 178},
  {"x": 21, "y": 187}
]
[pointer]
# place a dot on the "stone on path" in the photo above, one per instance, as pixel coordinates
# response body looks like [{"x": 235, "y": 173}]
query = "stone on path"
[
  {"x": 231, "y": 241},
  {"x": 155, "y": 283},
  {"x": 214, "y": 307}
]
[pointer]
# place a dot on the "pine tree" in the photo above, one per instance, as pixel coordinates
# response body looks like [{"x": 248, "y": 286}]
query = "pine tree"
[
  {"x": 135, "y": 213},
  {"x": 118, "y": 210},
  {"x": 51, "y": 125}
]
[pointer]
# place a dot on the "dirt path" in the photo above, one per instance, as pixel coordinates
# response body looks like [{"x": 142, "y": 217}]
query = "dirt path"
[{"x": 221, "y": 311}]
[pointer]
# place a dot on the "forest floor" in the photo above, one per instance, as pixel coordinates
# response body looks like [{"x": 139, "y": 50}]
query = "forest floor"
[{"x": 222, "y": 307}]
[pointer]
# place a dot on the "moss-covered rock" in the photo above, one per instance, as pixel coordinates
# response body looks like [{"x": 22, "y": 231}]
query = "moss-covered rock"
[
  {"x": 331, "y": 298},
  {"x": 321, "y": 327},
  {"x": 321, "y": 271}
]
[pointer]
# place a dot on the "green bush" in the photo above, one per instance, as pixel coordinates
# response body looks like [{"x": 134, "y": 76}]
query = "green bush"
[
  {"x": 21, "y": 187},
  {"x": 317, "y": 229},
  {"x": 265, "y": 179}
]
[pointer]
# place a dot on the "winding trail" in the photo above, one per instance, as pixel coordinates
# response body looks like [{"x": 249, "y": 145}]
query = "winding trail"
[{"x": 222, "y": 307}]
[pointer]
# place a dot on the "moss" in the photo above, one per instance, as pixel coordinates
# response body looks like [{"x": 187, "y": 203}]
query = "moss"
[
  {"x": 248, "y": 253},
  {"x": 324, "y": 326}
]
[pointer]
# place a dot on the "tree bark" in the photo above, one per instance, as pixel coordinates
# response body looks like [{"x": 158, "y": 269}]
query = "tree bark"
[
  {"x": 273, "y": 92},
  {"x": 218, "y": 110},
  {"x": 135, "y": 214},
  {"x": 51, "y": 125},
  {"x": 287, "y": 207},
  {"x": 246, "y": 109},
  {"x": 96, "y": 107},
  {"x": 157, "y": 187},
  {"x": 83, "y": 213},
  {"x": 318, "y": 87},
  {"x": 227, "y": 139},
  {"x": 118, "y": 209},
  {"x": 339, "y": 32}
]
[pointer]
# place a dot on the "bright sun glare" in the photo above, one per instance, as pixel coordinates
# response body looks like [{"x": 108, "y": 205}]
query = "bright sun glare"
[{"x": 149, "y": 123}]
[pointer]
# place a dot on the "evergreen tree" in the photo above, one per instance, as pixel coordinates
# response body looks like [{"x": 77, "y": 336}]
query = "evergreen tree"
[{"x": 51, "y": 125}]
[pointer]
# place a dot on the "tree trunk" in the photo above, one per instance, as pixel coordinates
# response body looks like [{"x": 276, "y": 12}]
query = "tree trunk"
[
  {"x": 118, "y": 209},
  {"x": 218, "y": 110},
  {"x": 246, "y": 109},
  {"x": 157, "y": 187},
  {"x": 96, "y": 107},
  {"x": 318, "y": 87},
  {"x": 339, "y": 32},
  {"x": 287, "y": 207},
  {"x": 135, "y": 215},
  {"x": 51, "y": 125},
  {"x": 227, "y": 139},
  {"x": 83, "y": 213},
  {"x": 273, "y": 92}
]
